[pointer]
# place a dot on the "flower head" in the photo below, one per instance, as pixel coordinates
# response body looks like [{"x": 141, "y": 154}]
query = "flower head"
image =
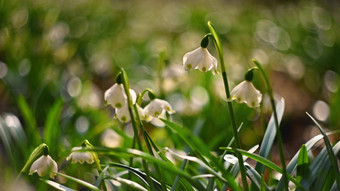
[
  {"x": 157, "y": 106},
  {"x": 80, "y": 157},
  {"x": 123, "y": 114},
  {"x": 44, "y": 165},
  {"x": 201, "y": 59},
  {"x": 116, "y": 97},
  {"x": 245, "y": 92}
]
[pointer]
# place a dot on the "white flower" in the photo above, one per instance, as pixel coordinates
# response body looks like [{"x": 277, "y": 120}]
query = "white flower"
[
  {"x": 44, "y": 165},
  {"x": 123, "y": 114},
  {"x": 201, "y": 59},
  {"x": 157, "y": 106},
  {"x": 246, "y": 93},
  {"x": 116, "y": 97},
  {"x": 80, "y": 157}
]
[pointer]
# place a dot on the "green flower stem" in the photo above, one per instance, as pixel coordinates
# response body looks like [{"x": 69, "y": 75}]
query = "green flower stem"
[
  {"x": 161, "y": 64},
  {"x": 278, "y": 132},
  {"x": 134, "y": 124},
  {"x": 219, "y": 50},
  {"x": 140, "y": 96},
  {"x": 146, "y": 140}
]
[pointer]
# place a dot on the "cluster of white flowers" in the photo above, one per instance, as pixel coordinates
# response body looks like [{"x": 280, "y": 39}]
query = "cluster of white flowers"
[
  {"x": 116, "y": 97},
  {"x": 201, "y": 59}
]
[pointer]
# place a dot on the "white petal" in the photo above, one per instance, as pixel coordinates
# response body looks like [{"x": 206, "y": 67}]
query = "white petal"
[
  {"x": 123, "y": 114},
  {"x": 133, "y": 96},
  {"x": 115, "y": 96},
  {"x": 193, "y": 58}
]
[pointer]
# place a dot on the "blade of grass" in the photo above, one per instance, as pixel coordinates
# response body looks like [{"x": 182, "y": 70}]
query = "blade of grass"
[
  {"x": 201, "y": 149},
  {"x": 121, "y": 152},
  {"x": 52, "y": 130},
  {"x": 309, "y": 145},
  {"x": 26, "y": 112},
  {"x": 321, "y": 162},
  {"x": 330, "y": 152},
  {"x": 269, "y": 136},
  {"x": 127, "y": 182},
  {"x": 141, "y": 175},
  {"x": 81, "y": 182},
  {"x": 57, "y": 185},
  {"x": 302, "y": 163},
  {"x": 263, "y": 161}
]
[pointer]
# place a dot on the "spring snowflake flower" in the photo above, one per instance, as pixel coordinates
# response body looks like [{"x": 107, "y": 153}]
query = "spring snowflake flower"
[
  {"x": 157, "y": 107},
  {"x": 80, "y": 157},
  {"x": 123, "y": 114},
  {"x": 201, "y": 59},
  {"x": 245, "y": 92},
  {"x": 44, "y": 165},
  {"x": 116, "y": 97}
]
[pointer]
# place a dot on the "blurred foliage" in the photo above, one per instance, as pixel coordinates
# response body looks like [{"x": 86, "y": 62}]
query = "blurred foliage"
[{"x": 68, "y": 52}]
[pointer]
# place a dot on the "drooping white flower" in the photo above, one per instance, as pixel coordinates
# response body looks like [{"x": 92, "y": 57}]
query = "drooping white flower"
[
  {"x": 157, "y": 106},
  {"x": 123, "y": 114},
  {"x": 245, "y": 92},
  {"x": 44, "y": 165},
  {"x": 81, "y": 157},
  {"x": 201, "y": 59},
  {"x": 116, "y": 97}
]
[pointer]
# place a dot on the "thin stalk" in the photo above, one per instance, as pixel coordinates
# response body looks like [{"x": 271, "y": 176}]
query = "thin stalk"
[
  {"x": 131, "y": 161},
  {"x": 134, "y": 125},
  {"x": 146, "y": 139},
  {"x": 219, "y": 51},
  {"x": 278, "y": 132}
]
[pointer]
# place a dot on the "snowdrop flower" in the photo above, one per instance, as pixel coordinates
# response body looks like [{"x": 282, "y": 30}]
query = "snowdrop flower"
[
  {"x": 201, "y": 59},
  {"x": 44, "y": 165},
  {"x": 245, "y": 92},
  {"x": 123, "y": 114},
  {"x": 116, "y": 97},
  {"x": 80, "y": 157},
  {"x": 157, "y": 106}
]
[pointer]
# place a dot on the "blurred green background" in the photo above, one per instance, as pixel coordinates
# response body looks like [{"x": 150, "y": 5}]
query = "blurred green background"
[{"x": 61, "y": 56}]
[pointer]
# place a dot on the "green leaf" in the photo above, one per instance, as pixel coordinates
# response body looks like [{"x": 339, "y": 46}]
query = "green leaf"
[
  {"x": 309, "y": 145},
  {"x": 57, "y": 185},
  {"x": 141, "y": 175},
  {"x": 51, "y": 130},
  {"x": 321, "y": 162},
  {"x": 331, "y": 155},
  {"x": 27, "y": 114},
  {"x": 270, "y": 134},
  {"x": 127, "y": 182},
  {"x": 302, "y": 163},
  {"x": 263, "y": 161},
  {"x": 255, "y": 177},
  {"x": 121, "y": 152},
  {"x": 81, "y": 182},
  {"x": 201, "y": 150}
]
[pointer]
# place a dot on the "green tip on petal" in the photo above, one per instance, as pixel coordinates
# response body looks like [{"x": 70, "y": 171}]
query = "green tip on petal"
[
  {"x": 188, "y": 67},
  {"x": 123, "y": 118},
  {"x": 118, "y": 105}
]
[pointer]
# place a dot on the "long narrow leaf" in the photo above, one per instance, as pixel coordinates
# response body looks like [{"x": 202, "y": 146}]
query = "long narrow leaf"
[
  {"x": 330, "y": 152},
  {"x": 199, "y": 147},
  {"x": 309, "y": 145},
  {"x": 263, "y": 161},
  {"x": 270, "y": 134},
  {"x": 51, "y": 131},
  {"x": 321, "y": 162},
  {"x": 121, "y": 152},
  {"x": 57, "y": 185},
  {"x": 81, "y": 182}
]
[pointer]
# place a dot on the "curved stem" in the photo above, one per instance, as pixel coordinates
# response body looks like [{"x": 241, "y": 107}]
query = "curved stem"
[
  {"x": 219, "y": 50},
  {"x": 278, "y": 132},
  {"x": 134, "y": 124}
]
